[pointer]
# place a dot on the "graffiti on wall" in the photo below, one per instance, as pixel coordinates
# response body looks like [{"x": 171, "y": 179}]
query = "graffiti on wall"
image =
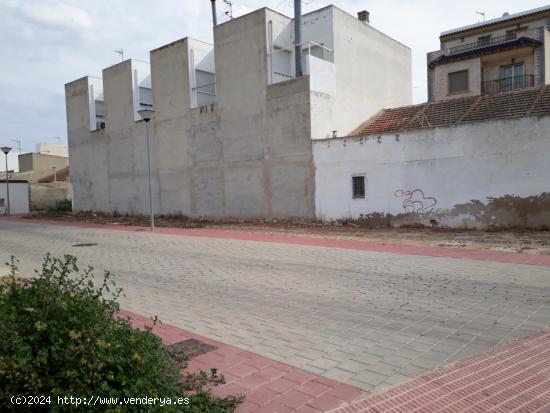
[{"x": 415, "y": 201}]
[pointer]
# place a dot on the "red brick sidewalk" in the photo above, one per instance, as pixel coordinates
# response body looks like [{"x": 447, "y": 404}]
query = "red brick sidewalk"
[
  {"x": 330, "y": 242},
  {"x": 511, "y": 378},
  {"x": 269, "y": 386}
]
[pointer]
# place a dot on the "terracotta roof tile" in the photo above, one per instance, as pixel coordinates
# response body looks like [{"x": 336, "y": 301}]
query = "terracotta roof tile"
[
  {"x": 542, "y": 107},
  {"x": 389, "y": 120},
  {"x": 503, "y": 106},
  {"x": 516, "y": 104}
]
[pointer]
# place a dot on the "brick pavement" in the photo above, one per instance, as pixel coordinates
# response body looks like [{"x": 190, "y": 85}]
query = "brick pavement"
[
  {"x": 269, "y": 386},
  {"x": 511, "y": 378},
  {"x": 329, "y": 242},
  {"x": 368, "y": 318}
]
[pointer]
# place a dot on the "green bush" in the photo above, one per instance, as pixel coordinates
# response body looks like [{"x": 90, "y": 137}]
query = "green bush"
[
  {"x": 61, "y": 207},
  {"x": 64, "y": 205},
  {"x": 59, "y": 337}
]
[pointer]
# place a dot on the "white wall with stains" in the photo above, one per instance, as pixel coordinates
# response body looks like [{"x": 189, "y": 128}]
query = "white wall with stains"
[{"x": 472, "y": 175}]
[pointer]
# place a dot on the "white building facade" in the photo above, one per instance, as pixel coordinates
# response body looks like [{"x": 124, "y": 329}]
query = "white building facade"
[{"x": 19, "y": 197}]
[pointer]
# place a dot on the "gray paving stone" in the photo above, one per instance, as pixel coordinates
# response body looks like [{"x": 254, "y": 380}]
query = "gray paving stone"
[
  {"x": 312, "y": 307},
  {"x": 370, "y": 377},
  {"x": 323, "y": 363},
  {"x": 353, "y": 366}
]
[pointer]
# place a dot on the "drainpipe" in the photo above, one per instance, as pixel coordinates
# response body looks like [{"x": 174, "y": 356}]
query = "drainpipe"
[
  {"x": 298, "y": 36},
  {"x": 214, "y": 18}
]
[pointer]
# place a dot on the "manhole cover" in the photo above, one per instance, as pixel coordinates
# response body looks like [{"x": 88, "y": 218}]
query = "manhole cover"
[
  {"x": 190, "y": 348},
  {"x": 89, "y": 244}
]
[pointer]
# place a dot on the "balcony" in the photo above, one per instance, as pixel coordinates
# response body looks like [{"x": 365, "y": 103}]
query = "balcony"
[
  {"x": 507, "y": 84},
  {"x": 483, "y": 43}
]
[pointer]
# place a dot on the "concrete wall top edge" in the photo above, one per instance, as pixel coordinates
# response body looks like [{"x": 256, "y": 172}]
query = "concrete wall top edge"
[
  {"x": 80, "y": 79},
  {"x": 183, "y": 40},
  {"x": 368, "y": 26},
  {"x": 432, "y": 128},
  {"x": 288, "y": 87}
]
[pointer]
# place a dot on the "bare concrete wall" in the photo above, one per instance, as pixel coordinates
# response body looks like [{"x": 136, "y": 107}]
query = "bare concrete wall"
[
  {"x": 473, "y": 175},
  {"x": 44, "y": 196},
  {"x": 250, "y": 153},
  {"x": 109, "y": 172}
]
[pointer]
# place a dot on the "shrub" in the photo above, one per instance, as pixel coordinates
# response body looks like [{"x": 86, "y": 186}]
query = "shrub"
[{"x": 60, "y": 337}]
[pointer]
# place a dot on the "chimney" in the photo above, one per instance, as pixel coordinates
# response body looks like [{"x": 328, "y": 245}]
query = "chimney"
[
  {"x": 364, "y": 16},
  {"x": 298, "y": 37},
  {"x": 214, "y": 17}
]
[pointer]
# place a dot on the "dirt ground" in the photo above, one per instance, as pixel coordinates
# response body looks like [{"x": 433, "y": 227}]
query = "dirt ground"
[{"x": 520, "y": 241}]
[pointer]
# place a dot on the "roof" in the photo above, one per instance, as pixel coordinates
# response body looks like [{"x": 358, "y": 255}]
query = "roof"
[
  {"x": 496, "y": 21},
  {"x": 61, "y": 175},
  {"x": 511, "y": 105},
  {"x": 512, "y": 44}
]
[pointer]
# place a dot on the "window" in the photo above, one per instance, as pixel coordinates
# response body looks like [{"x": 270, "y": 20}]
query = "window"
[
  {"x": 358, "y": 183},
  {"x": 512, "y": 77},
  {"x": 484, "y": 40},
  {"x": 145, "y": 97},
  {"x": 458, "y": 82},
  {"x": 511, "y": 34}
]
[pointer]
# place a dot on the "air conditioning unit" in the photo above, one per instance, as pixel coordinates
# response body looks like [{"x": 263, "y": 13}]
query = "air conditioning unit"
[{"x": 100, "y": 125}]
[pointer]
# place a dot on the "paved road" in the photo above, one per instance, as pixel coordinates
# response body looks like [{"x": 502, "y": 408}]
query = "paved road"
[{"x": 367, "y": 318}]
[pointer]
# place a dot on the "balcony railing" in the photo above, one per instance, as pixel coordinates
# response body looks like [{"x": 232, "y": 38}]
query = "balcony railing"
[
  {"x": 507, "y": 84},
  {"x": 483, "y": 43}
]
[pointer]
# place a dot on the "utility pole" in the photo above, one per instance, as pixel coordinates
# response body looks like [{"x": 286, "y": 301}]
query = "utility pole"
[
  {"x": 6, "y": 150},
  {"x": 298, "y": 37}
]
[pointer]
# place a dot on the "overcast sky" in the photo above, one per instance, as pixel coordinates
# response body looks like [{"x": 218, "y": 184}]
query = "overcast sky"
[{"x": 47, "y": 43}]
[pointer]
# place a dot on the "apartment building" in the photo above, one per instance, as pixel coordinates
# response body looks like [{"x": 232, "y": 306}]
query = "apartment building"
[
  {"x": 233, "y": 130},
  {"x": 508, "y": 53},
  {"x": 475, "y": 155}
]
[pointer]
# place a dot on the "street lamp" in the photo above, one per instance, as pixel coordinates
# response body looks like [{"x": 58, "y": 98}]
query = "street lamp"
[
  {"x": 6, "y": 150},
  {"x": 147, "y": 115}
]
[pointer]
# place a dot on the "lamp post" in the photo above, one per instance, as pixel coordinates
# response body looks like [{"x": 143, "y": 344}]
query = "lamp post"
[
  {"x": 6, "y": 150},
  {"x": 147, "y": 115}
]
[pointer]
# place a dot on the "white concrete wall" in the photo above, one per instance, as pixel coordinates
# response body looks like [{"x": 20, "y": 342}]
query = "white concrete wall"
[
  {"x": 373, "y": 71},
  {"x": 19, "y": 197},
  {"x": 55, "y": 149},
  {"x": 447, "y": 174}
]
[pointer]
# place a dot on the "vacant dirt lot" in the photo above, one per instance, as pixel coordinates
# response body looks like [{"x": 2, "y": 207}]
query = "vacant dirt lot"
[{"x": 521, "y": 241}]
